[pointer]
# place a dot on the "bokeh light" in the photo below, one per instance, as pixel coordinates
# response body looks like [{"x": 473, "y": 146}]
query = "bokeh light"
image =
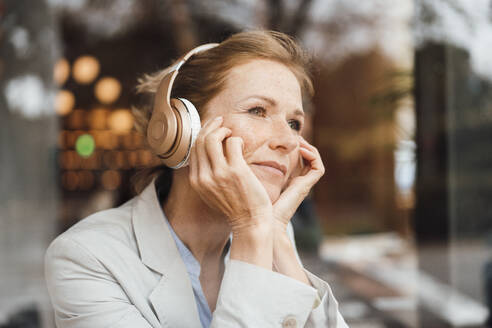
[
  {"x": 92, "y": 162},
  {"x": 85, "y": 145},
  {"x": 110, "y": 179},
  {"x": 71, "y": 138},
  {"x": 70, "y": 180},
  {"x": 106, "y": 139},
  {"x": 62, "y": 139},
  {"x": 132, "y": 141},
  {"x": 61, "y": 71},
  {"x": 107, "y": 90},
  {"x": 85, "y": 69},
  {"x": 64, "y": 102},
  {"x": 109, "y": 160},
  {"x": 121, "y": 121},
  {"x": 69, "y": 160},
  {"x": 144, "y": 157},
  {"x": 120, "y": 160},
  {"x": 86, "y": 180},
  {"x": 115, "y": 160},
  {"x": 76, "y": 119},
  {"x": 132, "y": 157},
  {"x": 97, "y": 118}
]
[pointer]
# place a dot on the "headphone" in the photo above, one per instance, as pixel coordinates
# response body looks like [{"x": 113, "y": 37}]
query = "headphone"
[{"x": 175, "y": 123}]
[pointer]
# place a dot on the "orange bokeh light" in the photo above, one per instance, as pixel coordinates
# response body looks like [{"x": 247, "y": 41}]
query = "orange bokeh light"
[
  {"x": 64, "y": 102},
  {"x": 110, "y": 179},
  {"x": 121, "y": 121},
  {"x": 85, "y": 69},
  {"x": 61, "y": 71},
  {"x": 107, "y": 90}
]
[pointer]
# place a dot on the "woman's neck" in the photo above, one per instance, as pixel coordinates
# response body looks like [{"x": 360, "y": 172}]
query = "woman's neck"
[{"x": 203, "y": 230}]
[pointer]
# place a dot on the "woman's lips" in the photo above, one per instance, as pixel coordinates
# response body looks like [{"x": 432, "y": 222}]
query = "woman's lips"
[{"x": 272, "y": 167}]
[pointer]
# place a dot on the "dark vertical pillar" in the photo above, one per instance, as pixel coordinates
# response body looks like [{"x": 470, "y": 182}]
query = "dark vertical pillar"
[
  {"x": 454, "y": 169},
  {"x": 431, "y": 220}
]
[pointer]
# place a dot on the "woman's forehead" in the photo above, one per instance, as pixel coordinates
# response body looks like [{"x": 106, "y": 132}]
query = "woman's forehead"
[{"x": 263, "y": 78}]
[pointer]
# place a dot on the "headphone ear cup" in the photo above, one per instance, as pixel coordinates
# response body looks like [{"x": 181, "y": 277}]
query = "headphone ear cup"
[
  {"x": 188, "y": 122},
  {"x": 190, "y": 127},
  {"x": 196, "y": 124},
  {"x": 161, "y": 132}
]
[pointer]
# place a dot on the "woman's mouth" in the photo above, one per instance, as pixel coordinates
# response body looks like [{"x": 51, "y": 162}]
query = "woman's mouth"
[{"x": 272, "y": 167}]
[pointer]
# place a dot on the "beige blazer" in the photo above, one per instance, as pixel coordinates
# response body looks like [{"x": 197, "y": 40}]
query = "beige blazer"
[{"x": 121, "y": 268}]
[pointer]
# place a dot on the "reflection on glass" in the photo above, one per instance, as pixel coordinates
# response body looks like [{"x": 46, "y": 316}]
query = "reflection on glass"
[
  {"x": 111, "y": 179},
  {"x": 121, "y": 121},
  {"x": 76, "y": 119},
  {"x": 61, "y": 71},
  {"x": 97, "y": 118},
  {"x": 85, "y": 145},
  {"x": 85, "y": 69},
  {"x": 70, "y": 180},
  {"x": 86, "y": 180},
  {"x": 107, "y": 90}
]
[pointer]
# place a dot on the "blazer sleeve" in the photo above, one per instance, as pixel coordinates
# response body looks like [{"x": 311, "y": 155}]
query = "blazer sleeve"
[
  {"x": 83, "y": 293},
  {"x": 251, "y": 296},
  {"x": 326, "y": 314}
]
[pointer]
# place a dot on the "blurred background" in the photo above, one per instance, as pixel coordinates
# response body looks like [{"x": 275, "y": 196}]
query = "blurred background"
[{"x": 401, "y": 223}]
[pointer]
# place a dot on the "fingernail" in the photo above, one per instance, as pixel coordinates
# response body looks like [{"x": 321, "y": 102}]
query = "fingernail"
[{"x": 218, "y": 118}]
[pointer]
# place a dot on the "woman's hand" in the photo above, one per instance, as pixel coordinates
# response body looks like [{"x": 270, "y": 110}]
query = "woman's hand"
[
  {"x": 222, "y": 178},
  {"x": 284, "y": 258},
  {"x": 299, "y": 186}
]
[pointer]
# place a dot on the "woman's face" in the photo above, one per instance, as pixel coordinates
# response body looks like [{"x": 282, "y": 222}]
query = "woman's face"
[{"x": 262, "y": 104}]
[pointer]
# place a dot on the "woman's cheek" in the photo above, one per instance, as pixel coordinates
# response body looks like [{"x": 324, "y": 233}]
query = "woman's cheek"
[{"x": 250, "y": 135}]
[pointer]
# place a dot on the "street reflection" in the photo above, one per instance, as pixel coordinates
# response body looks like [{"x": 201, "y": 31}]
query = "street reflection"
[{"x": 400, "y": 224}]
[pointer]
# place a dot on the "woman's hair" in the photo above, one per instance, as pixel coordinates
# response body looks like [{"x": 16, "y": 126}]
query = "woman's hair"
[{"x": 204, "y": 75}]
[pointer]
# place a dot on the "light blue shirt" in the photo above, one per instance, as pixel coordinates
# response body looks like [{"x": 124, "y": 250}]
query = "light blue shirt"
[{"x": 193, "y": 268}]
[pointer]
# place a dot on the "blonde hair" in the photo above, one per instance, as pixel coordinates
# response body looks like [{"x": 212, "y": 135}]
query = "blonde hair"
[{"x": 204, "y": 75}]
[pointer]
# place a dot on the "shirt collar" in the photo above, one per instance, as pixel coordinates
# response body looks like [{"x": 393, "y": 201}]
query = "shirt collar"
[{"x": 192, "y": 265}]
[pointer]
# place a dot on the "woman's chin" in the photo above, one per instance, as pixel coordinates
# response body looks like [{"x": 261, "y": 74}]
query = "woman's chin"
[
  {"x": 272, "y": 183},
  {"x": 272, "y": 191}
]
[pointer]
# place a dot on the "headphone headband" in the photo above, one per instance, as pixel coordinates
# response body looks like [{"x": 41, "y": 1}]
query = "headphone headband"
[
  {"x": 174, "y": 123},
  {"x": 194, "y": 51},
  {"x": 175, "y": 68}
]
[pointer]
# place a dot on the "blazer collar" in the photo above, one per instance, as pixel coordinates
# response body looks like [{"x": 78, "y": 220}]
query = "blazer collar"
[
  {"x": 173, "y": 298},
  {"x": 155, "y": 243}
]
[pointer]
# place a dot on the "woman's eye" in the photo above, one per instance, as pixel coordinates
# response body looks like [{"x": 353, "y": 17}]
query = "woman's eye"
[
  {"x": 295, "y": 125},
  {"x": 260, "y": 111}
]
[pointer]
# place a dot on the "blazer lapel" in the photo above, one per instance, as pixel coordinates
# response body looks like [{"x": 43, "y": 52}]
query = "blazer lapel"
[{"x": 173, "y": 299}]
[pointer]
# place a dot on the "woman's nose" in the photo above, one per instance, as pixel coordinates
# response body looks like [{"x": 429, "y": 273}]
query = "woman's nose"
[{"x": 283, "y": 138}]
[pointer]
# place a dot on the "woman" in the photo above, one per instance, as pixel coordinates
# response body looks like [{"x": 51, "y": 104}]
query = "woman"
[{"x": 214, "y": 248}]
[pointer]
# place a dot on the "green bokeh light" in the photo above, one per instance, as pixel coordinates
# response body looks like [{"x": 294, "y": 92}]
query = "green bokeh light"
[{"x": 85, "y": 145}]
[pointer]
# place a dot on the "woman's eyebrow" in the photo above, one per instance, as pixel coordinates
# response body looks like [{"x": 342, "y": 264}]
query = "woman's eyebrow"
[
  {"x": 272, "y": 102},
  {"x": 269, "y": 100},
  {"x": 299, "y": 112}
]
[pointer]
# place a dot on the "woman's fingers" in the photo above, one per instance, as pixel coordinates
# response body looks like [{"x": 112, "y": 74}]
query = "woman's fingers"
[
  {"x": 214, "y": 147},
  {"x": 305, "y": 144},
  {"x": 300, "y": 186},
  {"x": 311, "y": 155},
  {"x": 234, "y": 151},
  {"x": 203, "y": 163},
  {"x": 314, "y": 169},
  {"x": 307, "y": 154},
  {"x": 217, "y": 175}
]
